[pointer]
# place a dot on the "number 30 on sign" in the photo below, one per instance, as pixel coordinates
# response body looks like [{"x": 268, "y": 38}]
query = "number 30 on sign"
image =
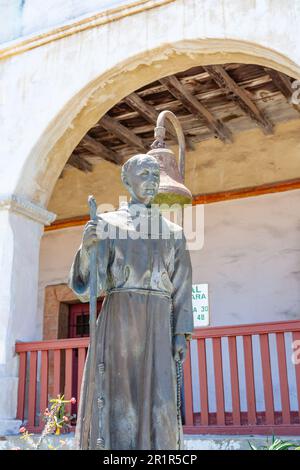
[{"x": 200, "y": 305}]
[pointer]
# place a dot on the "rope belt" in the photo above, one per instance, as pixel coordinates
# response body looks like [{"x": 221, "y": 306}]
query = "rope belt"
[{"x": 137, "y": 290}]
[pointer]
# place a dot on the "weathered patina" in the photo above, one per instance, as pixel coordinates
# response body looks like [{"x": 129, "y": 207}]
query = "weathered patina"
[{"x": 144, "y": 271}]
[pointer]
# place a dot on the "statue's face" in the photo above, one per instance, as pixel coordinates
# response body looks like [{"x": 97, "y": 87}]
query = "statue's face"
[{"x": 143, "y": 180}]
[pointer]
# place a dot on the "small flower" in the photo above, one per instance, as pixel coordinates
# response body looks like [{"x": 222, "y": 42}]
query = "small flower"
[
  {"x": 73, "y": 400},
  {"x": 22, "y": 429}
]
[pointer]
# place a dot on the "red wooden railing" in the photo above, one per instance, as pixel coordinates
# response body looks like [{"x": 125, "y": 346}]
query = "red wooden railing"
[
  {"x": 47, "y": 367},
  {"x": 52, "y": 362},
  {"x": 283, "y": 421}
]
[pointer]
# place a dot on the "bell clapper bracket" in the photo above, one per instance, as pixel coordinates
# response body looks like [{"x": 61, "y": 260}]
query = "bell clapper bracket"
[{"x": 160, "y": 134}]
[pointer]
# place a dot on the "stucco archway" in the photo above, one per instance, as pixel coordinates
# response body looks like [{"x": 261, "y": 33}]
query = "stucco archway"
[
  {"x": 59, "y": 84},
  {"x": 51, "y": 152}
]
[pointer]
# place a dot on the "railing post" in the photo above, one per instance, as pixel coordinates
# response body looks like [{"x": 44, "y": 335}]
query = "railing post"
[
  {"x": 32, "y": 388},
  {"x": 234, "y": 380},
  {"x": 283, "y": 378},
  {"x": 249, "y": 373},
  {"x": 188, "y": 392},
  {"x": 81, "y": 362},
  {"x": 219, "y": 385},
  {"x": 22, "y": 385},
  {"x": 44, "y": 385},
  {"x": 203, "y": 381},
  {"x": 56, "y": 378},
  {"x": 267, "y": 378},
  {"x": 68, "y": 377}
]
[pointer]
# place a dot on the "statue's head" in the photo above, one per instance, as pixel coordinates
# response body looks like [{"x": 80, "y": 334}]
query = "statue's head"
[{"x": 140, "y": 175}]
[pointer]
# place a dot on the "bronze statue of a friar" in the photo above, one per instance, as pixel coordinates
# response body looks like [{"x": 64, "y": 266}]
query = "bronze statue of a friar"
[{"x": 144, "y": 324}]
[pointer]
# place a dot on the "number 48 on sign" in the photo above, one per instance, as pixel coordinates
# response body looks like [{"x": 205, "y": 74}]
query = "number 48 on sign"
[{"x": 200, "y": 305}]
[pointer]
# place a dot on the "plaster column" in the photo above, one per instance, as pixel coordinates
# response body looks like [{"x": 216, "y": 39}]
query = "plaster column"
[{"x": 21, "y": 227}]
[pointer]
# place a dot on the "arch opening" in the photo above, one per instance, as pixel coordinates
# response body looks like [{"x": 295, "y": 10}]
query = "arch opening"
[{"x": 50, "y": 154}]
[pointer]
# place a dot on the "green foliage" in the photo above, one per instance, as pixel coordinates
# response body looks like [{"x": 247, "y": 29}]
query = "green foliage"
[
  {"x": 56, "y": 421},
  {"x": 276, "y": 444}
]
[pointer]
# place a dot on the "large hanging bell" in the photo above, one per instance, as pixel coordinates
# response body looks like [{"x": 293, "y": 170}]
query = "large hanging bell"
[{"x": 171, "y": 189}]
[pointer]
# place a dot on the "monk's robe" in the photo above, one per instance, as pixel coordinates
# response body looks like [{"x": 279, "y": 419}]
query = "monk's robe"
[{"x": 146, "y": 281}]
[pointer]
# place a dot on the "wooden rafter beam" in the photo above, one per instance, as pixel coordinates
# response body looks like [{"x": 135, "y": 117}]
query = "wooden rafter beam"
[
  {"x": 122, "y": 133},
  {"x": 99, "y": 150},
  {"x": 79, "y": 162},
  {"x": 281, "y": 81},
  {"x": 284, "y": 85},
  {"x": 192, "y": 104},
  {"x": 144, "y": 109},
  {"x": 239, "y": 96},
  {"x": 150, "y": 114}
]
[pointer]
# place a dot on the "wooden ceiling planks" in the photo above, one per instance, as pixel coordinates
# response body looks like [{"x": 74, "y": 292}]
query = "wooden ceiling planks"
[
  {"x": 195, "y": 107},
  {"x": 240, "y": 96},
  {"x": 211, "y": 102}
]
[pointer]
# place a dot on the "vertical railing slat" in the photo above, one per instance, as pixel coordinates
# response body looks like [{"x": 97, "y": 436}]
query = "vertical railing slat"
[
  {"x": 219, "y": 385},
  {"x": 44, "y": 385},
  {"x": 234, "y": 380},
  {"x": 296, "y": 337},
  {"x": 68, "y": 377},
  {"x": 22, "y": 385},
  {"x": 283, "y": 379},
  {"x": 81, "y": 361},
  {"x": 56, "y": 372},
  {"x": 188, "y": 392},
  {"x": 202, "y": 365},
  {"x": 249, "y": 374},
  {"x": 267, "y": 378},
  {"x": 32, "y": 388}
]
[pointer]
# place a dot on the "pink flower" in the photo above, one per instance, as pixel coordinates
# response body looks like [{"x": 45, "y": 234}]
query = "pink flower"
[
  {"x": 22, "y": 429},
  {"x": 73, "y": 400}
]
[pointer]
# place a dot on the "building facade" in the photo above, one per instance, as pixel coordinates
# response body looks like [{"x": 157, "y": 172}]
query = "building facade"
[{"x": 75, "y": 68}]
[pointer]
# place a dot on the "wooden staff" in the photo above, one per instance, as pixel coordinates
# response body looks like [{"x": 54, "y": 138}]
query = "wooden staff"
[{"x": 92, "y": 321}]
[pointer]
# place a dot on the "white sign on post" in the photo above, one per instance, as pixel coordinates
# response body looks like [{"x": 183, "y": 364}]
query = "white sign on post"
[{"x": 200, "y": 305}]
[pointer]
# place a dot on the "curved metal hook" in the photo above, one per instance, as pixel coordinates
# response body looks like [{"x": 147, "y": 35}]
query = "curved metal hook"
[{"x": 160, "y": 133}]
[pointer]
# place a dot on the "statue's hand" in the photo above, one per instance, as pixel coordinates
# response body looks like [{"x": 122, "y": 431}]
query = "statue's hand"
[
  {"x": 179, "y": 347},
  {"x": 90, "y": 234}
]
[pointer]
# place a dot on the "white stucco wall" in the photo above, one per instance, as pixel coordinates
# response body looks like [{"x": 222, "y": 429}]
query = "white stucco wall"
[
  {"x": 23, "y": 17},
  {"x": 64, "y": 86},
  {"x": 54, "y": 87},
  {"x": 250, "y": 258}
]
